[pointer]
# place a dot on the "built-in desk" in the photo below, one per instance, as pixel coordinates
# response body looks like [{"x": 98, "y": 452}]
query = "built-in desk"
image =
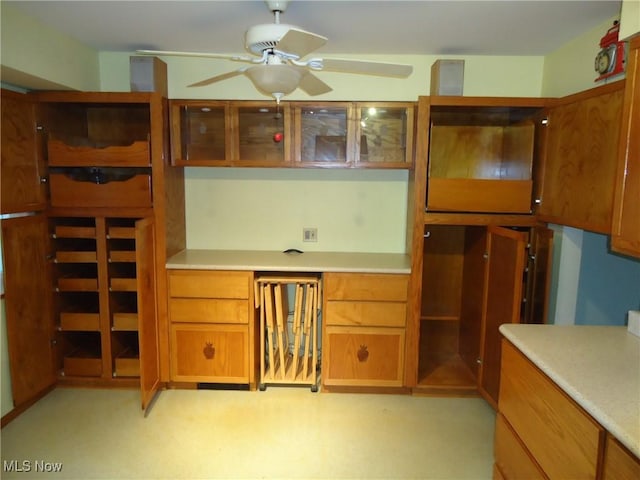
[{"x": 214, "y": 304}]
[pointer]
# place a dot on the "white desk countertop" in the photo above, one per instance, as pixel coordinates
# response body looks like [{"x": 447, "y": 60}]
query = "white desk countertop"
[
  {"x": 597, "y": 366},
  {"x": 258, "y": 260}
]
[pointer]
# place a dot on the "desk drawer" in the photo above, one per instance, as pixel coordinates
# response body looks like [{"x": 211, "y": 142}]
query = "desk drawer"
[
  {"x": 370, "y": 314},
  {"x": 367, "y": 287},
  {"x": 209, "y": 284},
  {"x": 208, "y": 310}
]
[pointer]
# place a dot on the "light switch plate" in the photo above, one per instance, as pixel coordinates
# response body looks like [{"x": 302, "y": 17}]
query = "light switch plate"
[{"x": 633, "y": 325}]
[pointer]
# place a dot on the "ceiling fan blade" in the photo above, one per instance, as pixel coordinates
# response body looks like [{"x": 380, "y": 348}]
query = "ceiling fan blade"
[
  {"x": 299, "y": 42},
  {"x": 238, "y": 58},
  {"x": 219, "y": 78},
  {"x": 313, "y": 85},
  {"x": 366, "y": 68}
]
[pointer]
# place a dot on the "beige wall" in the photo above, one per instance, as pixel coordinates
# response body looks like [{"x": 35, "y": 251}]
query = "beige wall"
[
  {"x": 629, "y": 18},
  {"x": 35, "y": 56}
]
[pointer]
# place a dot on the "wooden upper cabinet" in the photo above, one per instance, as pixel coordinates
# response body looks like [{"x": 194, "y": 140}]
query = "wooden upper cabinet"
[
  {"x": 625, "y": 231},
  {"x": 581, "y": 158},
  {"x": 293, "y": 134},
  {"x": 221, "y": 133},
  {"x": 481, "y": 154},
  {"x": 22, "y": 167}
]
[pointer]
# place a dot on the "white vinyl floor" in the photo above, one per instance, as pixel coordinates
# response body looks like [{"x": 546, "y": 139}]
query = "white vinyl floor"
[{"x": 281, "y": 433}]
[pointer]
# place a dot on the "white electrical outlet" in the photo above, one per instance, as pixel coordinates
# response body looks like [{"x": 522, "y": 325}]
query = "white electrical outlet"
[{"x": 309, "y": 234}]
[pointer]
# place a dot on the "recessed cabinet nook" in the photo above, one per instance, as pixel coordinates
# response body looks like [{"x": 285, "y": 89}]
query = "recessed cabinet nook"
[{"x": 101, "y": 176}]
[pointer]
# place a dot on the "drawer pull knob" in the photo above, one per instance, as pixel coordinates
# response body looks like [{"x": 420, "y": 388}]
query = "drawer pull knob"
[
  {"x": 363, "y": 353},
  {"x": 209, "y": 351}
]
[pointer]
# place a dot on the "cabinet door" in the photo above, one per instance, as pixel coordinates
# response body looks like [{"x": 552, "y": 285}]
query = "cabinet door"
[
  {"x": 625, "y": 232},
  {"x": 28, "y": 306},
  {"x": 147, "y": 321},
  {"x": 503, "y": 296},
  {"x": 580, "y": 164},
  {"x": 384, "y": 135},
  {"x": 21, "y": 187},
  {"x": 538, "y": 275},
  {"x": 324, "y": 134},
  {"x": 200, "y": 133}
]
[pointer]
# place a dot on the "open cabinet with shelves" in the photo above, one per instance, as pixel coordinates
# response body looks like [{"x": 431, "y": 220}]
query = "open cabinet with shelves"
[{"x": 475, "y": 278}]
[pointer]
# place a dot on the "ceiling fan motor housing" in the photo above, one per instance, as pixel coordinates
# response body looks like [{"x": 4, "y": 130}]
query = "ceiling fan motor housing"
[{"x": 263, "y": 37}]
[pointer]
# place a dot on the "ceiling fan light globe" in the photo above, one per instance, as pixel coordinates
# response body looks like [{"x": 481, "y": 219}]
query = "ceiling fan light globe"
[{"x": 272, "y": 79}]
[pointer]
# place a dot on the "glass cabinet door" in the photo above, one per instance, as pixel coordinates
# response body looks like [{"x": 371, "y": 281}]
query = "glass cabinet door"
[
  {"x": 262, "y": 133},
  {"x": 385, "y": 134},
  {"x": 323, "y": 134},
  {"x": 201, "y": 131}
]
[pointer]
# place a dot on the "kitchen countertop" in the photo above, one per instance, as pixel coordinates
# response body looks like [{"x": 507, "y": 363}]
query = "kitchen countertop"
[
  {"x": 258, "y": 260},
  {"x": 597, "y": 366}
]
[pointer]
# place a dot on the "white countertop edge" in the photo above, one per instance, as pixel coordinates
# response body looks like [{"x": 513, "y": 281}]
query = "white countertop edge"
[
  {"x": 257, "y": 260},
  {"x": 280, "y": 268},
  {"x": 600, "y": 415}
]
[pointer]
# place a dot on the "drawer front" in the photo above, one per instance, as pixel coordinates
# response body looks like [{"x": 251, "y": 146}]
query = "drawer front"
[
  {"x": 374, "y": 287},
  {"x": 134, "y": 155},
  {"x": 363, "y": 356},
  {"x": 66, "y": 192},
  {"x": 511, "y": 457},
  {"x": 565, "y": 440},
  {"x": 208, "y": 310},
  {"x": 619, "y": 463},
  {"x": 371, "y": 314},
  {"x": 209, "y": 353},
  {"x": 209, "y": 284}
]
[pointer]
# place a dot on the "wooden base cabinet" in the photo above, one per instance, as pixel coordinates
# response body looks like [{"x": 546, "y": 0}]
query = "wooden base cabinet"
[
  {"x": 212, "y": 327},
  {"x": 364, "y": 321},
  {"x": 542, "y": 433}
]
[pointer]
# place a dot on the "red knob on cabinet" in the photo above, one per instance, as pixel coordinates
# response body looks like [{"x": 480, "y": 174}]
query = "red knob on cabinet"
[{"x": 278, "y": 137}]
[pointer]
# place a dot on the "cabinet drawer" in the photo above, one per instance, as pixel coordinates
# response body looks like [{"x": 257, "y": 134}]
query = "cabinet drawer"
[
  {"x": 511, "y": 457},
  {"x": 209, "y": 284},
  {"x": 619, "y": 463},
  {"x": 134, "y": 155},
  {"x": 370, "y": 314},
  {"x": 363, "y": 356},
  {"x": 564, "y": 439},
  {"x": 207, "y": 310},
  {"x": 375, "y": 287},
  {"x": 209, "y": 353},
  {"x": 67, "y": 192}
]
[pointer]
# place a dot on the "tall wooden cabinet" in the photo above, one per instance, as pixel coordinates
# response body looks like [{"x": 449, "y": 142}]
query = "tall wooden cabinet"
[
  {"x": 479, "y": 257},
  {"x": 114, "y": 212}
]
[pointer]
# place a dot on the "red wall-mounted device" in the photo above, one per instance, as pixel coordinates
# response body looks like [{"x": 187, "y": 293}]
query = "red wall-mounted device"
[{"x": 610, "y": 59}]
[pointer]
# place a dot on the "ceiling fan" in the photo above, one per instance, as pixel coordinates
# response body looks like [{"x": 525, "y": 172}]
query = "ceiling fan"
[{"x": 278, "y": 67}]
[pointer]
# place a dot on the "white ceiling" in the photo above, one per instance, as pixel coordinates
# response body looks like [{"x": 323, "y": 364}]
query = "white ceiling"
[{"x": 430, "y": 27}]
